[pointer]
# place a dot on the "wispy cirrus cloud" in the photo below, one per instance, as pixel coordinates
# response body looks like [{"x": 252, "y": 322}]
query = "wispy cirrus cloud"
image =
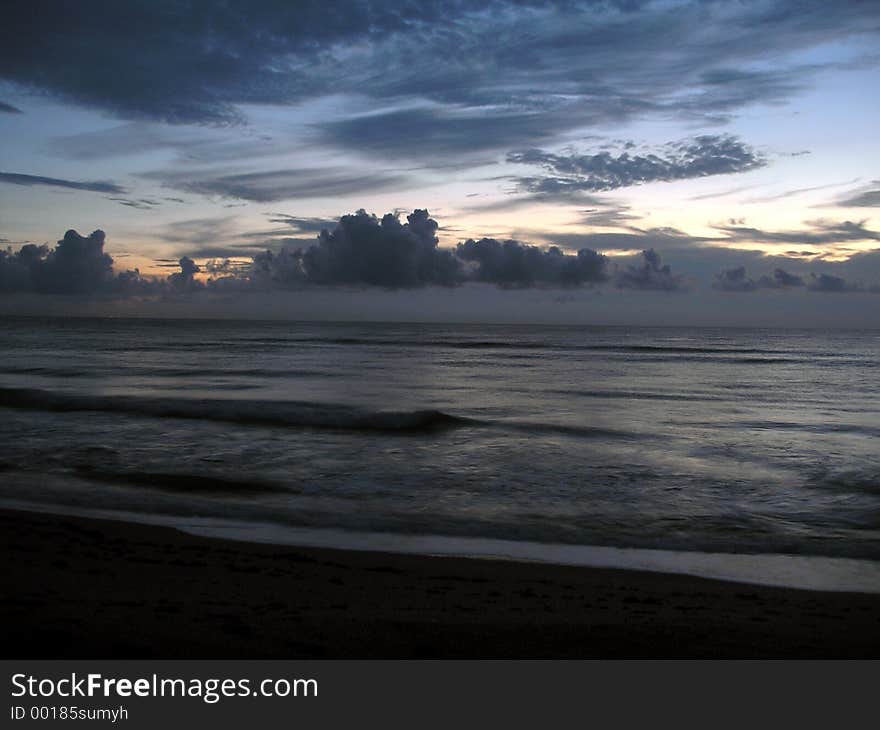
[
  {"x": 276, "y": 185},
  {"x": 820, "y": 232},
  {"x": 868, "y": 197},
  {"x": 95, "y": 186}
]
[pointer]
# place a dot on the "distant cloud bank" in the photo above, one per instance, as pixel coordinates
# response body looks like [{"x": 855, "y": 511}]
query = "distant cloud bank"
[{"x": 364, "y": 251}]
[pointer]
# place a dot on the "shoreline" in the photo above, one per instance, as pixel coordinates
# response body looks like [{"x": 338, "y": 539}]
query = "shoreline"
[
  {"x": 93, "y": 588},
  {"x": 775, "y": 570}
]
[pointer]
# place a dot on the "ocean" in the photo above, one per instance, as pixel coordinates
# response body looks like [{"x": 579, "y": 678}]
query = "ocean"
[{"x": 526, "y": 441}]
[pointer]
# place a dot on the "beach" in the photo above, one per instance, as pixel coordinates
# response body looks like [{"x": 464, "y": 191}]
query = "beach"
[{"x": 88, "y": 588}]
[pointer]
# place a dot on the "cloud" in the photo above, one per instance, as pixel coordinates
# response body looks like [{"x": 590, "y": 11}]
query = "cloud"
[
  {"x": 831, "y": 284},
  {"x": 512, "y": 264},
  {"x": 95, "y": 186},
  {"x": 141, "y": 204},
  {"x": 363, "y": 250},
  {"x": 609, "y": 215},
  {"x": 571, "y": 64},
  {"x": 737, "y": 280},
  {"x": 794, "y": 192},
  {"x": 822, "y": 232},
  {"x": 275, "y": 185},
  {"x": 651, "y": 274},
  {"x": 412, "y": 133},
  {"x": 304, "y": 225},
  {"x": 781, "y": 280},
  {"x": 868, "y": 198},
  {"x": 77, "y": 265},
  {"x": 734, "y": 280},
  {"x": 698, "y": 157},
  {"x": 8, "y": 108},
  {"x": 184, "y": 280}
]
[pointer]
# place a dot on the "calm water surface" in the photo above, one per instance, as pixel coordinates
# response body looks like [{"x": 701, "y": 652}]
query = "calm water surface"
[{"x": 714, "y": 440}]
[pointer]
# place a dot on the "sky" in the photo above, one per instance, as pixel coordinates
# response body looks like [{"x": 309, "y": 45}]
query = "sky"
[{"x": 616, "y": 162}]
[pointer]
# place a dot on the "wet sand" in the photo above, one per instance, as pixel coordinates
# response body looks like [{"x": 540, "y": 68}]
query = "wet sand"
[{"x": 83, "y": 588}]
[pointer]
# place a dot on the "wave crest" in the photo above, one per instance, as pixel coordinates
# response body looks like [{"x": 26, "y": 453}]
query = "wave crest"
[{"x": 269, "y": 413}]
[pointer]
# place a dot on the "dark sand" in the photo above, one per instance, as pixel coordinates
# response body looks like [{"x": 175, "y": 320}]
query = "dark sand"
[{"x": 78, "y": 588}]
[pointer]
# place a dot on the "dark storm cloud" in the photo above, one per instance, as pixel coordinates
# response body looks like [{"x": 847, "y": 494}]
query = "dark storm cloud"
[
  {"x": 93, "y": 186},
  {"x": 8, "y": 108},
  {"x": 513, "y": 264},
  {"x": 651, "y": 274},
  {"x": 699, "y": 157},
  {"x": 565, "y": 64},
  {"x": 275, "y": 185}
]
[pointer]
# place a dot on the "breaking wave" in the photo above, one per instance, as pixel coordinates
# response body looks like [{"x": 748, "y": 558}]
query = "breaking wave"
[
  {"x": 269, "y": 413},
  {"x": 290, "y": 414}
]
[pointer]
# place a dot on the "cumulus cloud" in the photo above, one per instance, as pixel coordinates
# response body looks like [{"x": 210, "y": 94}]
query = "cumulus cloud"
[
  {"x": 737, "y": 280},
  {"x": 184, "y": 280},
  {"x": 512, "y": 264},
  {"x": 698, "y": 157},
  {"x": 651, "y": 274},
  {"x": 781, "y": 279},
  {"x": 78, "y": 265},
  {"x": 831, "y": 284},
  {"x": 363, "y": 250},
  {"x": 734, "y": 279},
  {"x": 14, "y": 178}
]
